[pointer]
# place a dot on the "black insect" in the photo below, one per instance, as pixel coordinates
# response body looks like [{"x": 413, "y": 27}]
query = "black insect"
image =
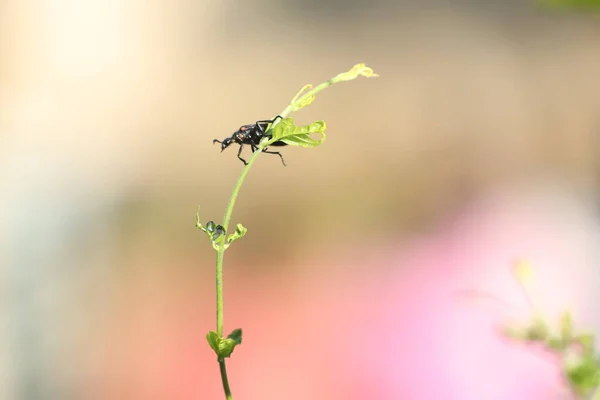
[{"x": 251, "y": 135}]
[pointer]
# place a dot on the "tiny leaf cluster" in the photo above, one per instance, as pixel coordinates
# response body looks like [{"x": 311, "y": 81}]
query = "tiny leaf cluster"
[
  {"x": 223, "y": 347},
  {"x": 216, "y": 233},
  {"x": 575, "y": 348}
]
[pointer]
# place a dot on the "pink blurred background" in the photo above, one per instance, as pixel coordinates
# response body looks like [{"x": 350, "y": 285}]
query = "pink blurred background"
[{"x": 479, "y": 144}]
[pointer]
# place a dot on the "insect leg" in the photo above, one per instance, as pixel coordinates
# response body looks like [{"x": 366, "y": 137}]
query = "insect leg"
[
  {"x": 275, "y": 152},
  {"x": 240, "y": 154},
  {"x": 266, "y": 121},
  {"x": 269, "y": 121},
  {"x": 255, "y": 148}
]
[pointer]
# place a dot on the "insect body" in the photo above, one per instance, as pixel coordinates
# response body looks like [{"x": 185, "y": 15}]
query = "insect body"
[{"x": 251, "y": 135}]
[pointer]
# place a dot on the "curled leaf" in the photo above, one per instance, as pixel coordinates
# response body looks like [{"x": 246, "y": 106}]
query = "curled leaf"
[
  {"x": 355, "y": 72},
  {"x": 303, "y": 102},
  {"x": 240, "y": 231}
]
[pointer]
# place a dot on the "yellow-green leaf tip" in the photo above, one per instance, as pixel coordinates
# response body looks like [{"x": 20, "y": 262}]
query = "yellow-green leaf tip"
[{"x": 355, "y": 72}]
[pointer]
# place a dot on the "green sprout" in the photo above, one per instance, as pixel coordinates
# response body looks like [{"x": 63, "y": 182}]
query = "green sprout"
[{"x": 284, "y": 130}]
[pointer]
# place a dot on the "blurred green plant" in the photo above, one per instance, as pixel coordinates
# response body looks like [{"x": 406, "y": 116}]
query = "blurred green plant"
[
  {"x": 286, "y": 131},
  {"x": 583, "y": 5},
  {"x": 576, "y": 349}
]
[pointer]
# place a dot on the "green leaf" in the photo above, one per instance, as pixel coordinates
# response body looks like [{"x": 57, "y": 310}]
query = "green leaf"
[
  {"x": 213, "y": 341},
  {"x": 582, "y": 372},
  {"x": 240, "y": 231},
  {"x": 236, "y": 336},
  {"x": 287, "y": 132}
]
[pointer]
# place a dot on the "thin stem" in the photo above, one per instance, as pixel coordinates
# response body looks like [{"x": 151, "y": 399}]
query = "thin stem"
[
  {"x": 234, "y": 194},
  {"x": 220, "y": 254},
  {"x": 224, "y": 379},
  {"x": 219, "y": 273}
]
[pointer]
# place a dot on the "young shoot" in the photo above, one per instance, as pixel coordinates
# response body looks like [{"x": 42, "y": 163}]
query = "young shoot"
[{"x": 277, "y": 132}]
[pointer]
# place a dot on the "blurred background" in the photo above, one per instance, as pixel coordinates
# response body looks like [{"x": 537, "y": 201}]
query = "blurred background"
[{"x": 478, "y": 144}]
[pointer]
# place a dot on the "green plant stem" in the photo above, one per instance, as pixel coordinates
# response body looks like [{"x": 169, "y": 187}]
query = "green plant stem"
[
  {"x": 234, "y": 195},
  {"x": 225, "y": 381},
  {"x": 220, "y": 254},
  {"x": 219, "y": 273},
  {"x": 222, "y": 366},
  {"x": 226, "y": 220}
]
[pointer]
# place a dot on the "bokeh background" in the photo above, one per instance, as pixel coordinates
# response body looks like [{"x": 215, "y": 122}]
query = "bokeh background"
[{"x": 479, "y": 144}]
